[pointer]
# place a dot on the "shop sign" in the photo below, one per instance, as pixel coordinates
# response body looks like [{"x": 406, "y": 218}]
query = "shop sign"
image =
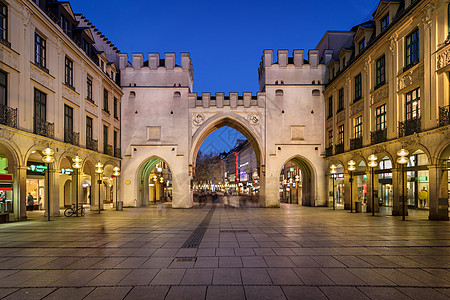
[
  {"x": 291, "y": 169},
  {"x": 38, "y": 168},
  {"x": 6, "y": 177},
  {"x": 364, "y": 176},
  {"x": 422, "y": 178},
  {"x": 67, "y": 171},
  {"x": 127, "y": 182}
]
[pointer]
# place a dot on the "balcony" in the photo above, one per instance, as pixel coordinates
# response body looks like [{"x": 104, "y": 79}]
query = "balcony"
[
  {"x": 117, "y": 152},
  {"x": 444, "y": 115},
  {"x": 71, "y": 137},
  {"x": 339, "y": 148},
  {"x": 91, "y": 144},
  {"x": 329, "y": 151},
  {"x": 44, "y": 128},
  {"x": 8, "y": 116},
  {"x": 409, "y": 127},
  {"x": 108, "y": 149},
  {"x": 378, "y": 136},
  {"x": 356, "y": 143}
]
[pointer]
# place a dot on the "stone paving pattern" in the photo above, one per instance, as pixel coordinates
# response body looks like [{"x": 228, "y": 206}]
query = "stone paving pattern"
[{"x": 287, "y": 253}]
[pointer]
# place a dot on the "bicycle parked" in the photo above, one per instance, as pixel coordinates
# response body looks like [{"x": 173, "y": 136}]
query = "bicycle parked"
[{"x": 73, "y": 210}]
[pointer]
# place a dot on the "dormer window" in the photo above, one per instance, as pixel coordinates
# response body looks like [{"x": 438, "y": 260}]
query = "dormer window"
[
  {"x": 362, "y": 45},
  {"x": 64, "y": 24},
  {"x": 102, "y": 65},
  {"x": 343, "y": 62},
  {"x": 384, "y": 22}
]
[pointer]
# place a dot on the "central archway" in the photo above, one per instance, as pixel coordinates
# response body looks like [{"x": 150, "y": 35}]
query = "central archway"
[
  {"x": 303, "y": 179},
  {"x": 155, "y": 182},
  {"x": 241, "y": 125}
]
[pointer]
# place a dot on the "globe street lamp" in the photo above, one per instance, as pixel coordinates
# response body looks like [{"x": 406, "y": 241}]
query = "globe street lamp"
[
  {"x": 76, "y": 165},
  {"x": 351, "y": 168},
  {"x": 403, "y": 160},
  {"x": 161, "y": 180},
  {"x": 297, "y": 179},
  {"x": 373, "y": 163},
  {"x": 333, "y": 174},
  {"x": 99, "y": 171},
  {"x": 116, "y": 174},
  {"x": 48, "y": 159},
  {"x": 290, "y": 190},
  {"x": 155, "y": 178}
]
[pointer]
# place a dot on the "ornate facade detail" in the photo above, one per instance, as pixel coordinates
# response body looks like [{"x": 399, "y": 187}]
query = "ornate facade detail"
[
  {"x": 198, "y": 119},
  {"x": 43, "y": 78},
  {"x": 379, "y": 94},
  {"x": 6, "y": 134},
  {"x": 443, "y": 59},
  {"x": 329, "y": 123},
  {"x": 69, "y": 94},
  {"x": 357, "y": 107},
  {"x": 8, "y": 57},
  {"x": 393, "y": 43},
  {"x": 254, "y": 119},
  {"x": 428, "y": 14},
  {"x": 410, "y": 77},
  {"x": 340, "y": 117}
]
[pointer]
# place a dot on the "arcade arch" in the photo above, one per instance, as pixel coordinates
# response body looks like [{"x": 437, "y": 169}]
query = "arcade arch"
[
  {"x": 155, "y": 182},
  {"x": 298, "y": 181}
]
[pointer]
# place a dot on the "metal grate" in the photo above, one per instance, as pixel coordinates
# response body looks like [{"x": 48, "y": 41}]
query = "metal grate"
[{"x": 196, "y": 237}]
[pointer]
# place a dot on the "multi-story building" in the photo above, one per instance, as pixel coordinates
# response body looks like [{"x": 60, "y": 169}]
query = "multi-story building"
[
  {"x": 388, "y": 89},
  {"x": 59, "y": 90}
]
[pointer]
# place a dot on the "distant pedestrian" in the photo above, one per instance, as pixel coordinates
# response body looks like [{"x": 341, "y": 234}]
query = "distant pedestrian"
[
  {"x": 30, "y": 201},
  {"x": 160, "y": 207}
]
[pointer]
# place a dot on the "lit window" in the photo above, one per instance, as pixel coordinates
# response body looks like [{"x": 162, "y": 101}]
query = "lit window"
[
  {"x": 413, "y": 104},
  {"x": 341, "y": 134},
  {"x": 358, "y": 127},
  {"x": 380, "y": 117}
]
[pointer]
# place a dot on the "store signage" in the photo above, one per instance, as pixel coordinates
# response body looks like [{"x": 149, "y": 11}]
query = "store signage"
[
  {"x": 127, "y": 182},
  {"x": 422, "y": 178},
  {"x": 291, "y": 169},
  {"x": 6, "y": 177},
  {"x": 159, "y": 169},
  {"x": 364, "y": 176},
  {"x": 66, "y": 171},
  {"x": 37, "y": 168}
]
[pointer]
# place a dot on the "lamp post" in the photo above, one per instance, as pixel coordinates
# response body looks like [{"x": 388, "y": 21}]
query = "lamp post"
[
  {"x": 373, "y": 163},
  {"x": 76, "y": 165},
  {"x": 297, "y": 180},
  {"x": 403, "y": 160},
  {"x": 290, "y": 190},
  {"x": 351, "y": 168},
  {"x": 161, "y": 180},
  {"x": 116, "y": 174},
  {"x": 333, "y": 172},
  {"x": 48, "y": 159},
  {"x": 99, "y": 171}
]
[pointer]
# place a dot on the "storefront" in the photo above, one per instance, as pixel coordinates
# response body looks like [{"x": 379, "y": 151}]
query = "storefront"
[
  {"x": 417, "y": 183},
  {"x": 6, "y": 193},
  {"x": 36, "y": 184}
]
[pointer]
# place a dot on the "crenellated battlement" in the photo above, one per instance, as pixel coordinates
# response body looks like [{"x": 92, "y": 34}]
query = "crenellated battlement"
[
  {"x": 287, "y": 69},
  {"x": 156, "y": 71},
  {"x": 232, "y": 100}
]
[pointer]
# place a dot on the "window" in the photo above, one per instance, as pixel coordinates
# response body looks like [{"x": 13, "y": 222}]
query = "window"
[
  {"x": 412, "y": 48},
  {"x": 340, "y": 134},
  {"x": 3, "y": 22},
  {"x": 116, "y": 108},
  {"x": 3, "y": 89},
  {"x": 64, "y": 24},
  {"x": 105, "y": 139},
  {"x": 40, "y": 110},
  {"x": 357, "y": 123},
  {"x": 330, "y": 138},
  {"x": 413, "y": 104},
  {"x": 358, "y": 88},
  {"x": 89, "y": 129},
  {"x": 380, "y": 71},
  {"x": 85, "y": 46},
  {"x": 341, "y": 100},
  {"x": 102, "y": 64},
  {"x": 39, "y": 50},
  {"x": 448, "y": 21},
  {"x": 385, "y": 22},
  {"x": 89, "y": 88},
  {"x": 69, "y": 72},
  {"x": 362, "y": 45},
  {"x": 115, "y": 143},
  {"x": 380, "y": 117},
  {"x": 343, "y": 62},
  {"x": 330, "y": 107},
  {"x": 68, "y": 123},
  {"x": 105, "y": 100}
]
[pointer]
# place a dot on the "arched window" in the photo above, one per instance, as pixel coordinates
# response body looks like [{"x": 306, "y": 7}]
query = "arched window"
[
  {"x": 132, "y": 95},
  {"x": 177, "y": 94},
  {"x": 315, "y": 92},
  {"x": 279, "y": 93}
]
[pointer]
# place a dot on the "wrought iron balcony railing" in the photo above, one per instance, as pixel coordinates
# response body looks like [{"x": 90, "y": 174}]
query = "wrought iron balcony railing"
[
  {"x": 71, "y": 137},
  {"x": 108, "y": 149},
  {"x": 8, "y": 116},
  {"x": 339, "y": 148},
  {"x": 444, "y": 115},
  {"x": 409, "y": 127},
  {"x": 117, "y": 152},
  {"x": 329, "y": 151},
  {"x": 91, "y": 144},
  {"x": 356, "y": 143},
  {"x": 44, "y": 128},
  {"x": 378, "y": 136}
]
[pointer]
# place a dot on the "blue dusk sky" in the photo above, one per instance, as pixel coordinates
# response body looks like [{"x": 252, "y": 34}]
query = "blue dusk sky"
[{"x": 224, "y": 38}]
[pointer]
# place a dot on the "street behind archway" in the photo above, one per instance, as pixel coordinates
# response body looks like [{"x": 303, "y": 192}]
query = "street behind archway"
[{"x": 230, "y": 253}]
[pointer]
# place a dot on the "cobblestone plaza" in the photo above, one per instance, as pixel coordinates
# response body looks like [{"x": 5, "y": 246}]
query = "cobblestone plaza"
[{"x": 224, "y": 253}]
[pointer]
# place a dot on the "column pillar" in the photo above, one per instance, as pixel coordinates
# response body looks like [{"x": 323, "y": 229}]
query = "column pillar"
[
  {"x": 20, "y": 193},
  {"x": 346, "y": 191},
  {"x": 438, "y": 193},
  {"x": 397, "y": 191},
  {"x": 54, "y": 193}
]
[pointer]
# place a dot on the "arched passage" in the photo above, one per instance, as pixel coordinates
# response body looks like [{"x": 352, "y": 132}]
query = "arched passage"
[
  {"x": 10, "y": 183},
  {"x": 297, "y": 181},
  {"x": 155, "y": 182}
]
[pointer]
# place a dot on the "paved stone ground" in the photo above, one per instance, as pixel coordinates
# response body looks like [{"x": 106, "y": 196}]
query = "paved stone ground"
[{"x": 292, "y": 252}]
